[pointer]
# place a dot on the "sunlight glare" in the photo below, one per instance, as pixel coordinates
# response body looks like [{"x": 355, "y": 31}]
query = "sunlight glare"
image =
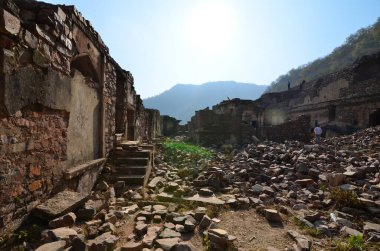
[{"x": 211, "y": 27}]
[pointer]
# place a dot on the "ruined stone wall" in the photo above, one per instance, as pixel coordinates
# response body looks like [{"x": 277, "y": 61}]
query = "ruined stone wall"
[
  {"x": 340, "y": 102},
  {"x": 58, "y": 102},
  {"x": 33, "y": 151},
  {"x": 154, "y": 126},
  {"x": 170, "y": 125},
  {"x": 348, "y": 96},
  {"x": 298, "y": 129},
  {"x": 230, "y": 122},
  {"x": 141, "y": 132}
]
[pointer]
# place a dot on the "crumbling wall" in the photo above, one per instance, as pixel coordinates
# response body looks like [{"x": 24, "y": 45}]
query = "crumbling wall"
[
  {"x": 170, "y": 125},
  {"x": 33, "y": 151},
  {"x": 340, "y": 102},
  {"x": 141, "y": 121},
  {"x": 298, "y": 129},
  {"x": 230, "y": 122},
  {"x": 154, "y": 127},
  {"x": 348, "y": 96},
  {"x": 58, "y": 103}
]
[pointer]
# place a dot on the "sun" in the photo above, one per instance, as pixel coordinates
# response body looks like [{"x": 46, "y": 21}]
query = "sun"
[{"x": 211, "y": 27}]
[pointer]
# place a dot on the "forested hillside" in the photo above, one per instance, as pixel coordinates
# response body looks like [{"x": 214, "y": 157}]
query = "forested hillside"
[{"x": 365, "y": 41}]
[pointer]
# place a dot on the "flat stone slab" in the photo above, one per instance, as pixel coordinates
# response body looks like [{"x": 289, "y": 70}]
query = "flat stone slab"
[
  {"x": 52, "y": 246},
  {"x": 62, "y": 203},
  {"x": 80, "y": 169},
  {"x": 206, "y": 200}
]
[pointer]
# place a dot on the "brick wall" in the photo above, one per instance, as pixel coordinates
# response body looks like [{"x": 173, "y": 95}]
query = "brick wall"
[{"x": 58, "y": 102}]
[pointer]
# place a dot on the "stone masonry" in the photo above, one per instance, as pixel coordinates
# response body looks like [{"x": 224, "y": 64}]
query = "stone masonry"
[
  {"x": 63, "y": 99},
  {"x": 341, "y": 103}
]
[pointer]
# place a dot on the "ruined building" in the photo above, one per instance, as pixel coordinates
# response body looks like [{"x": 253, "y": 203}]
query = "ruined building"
[
  {"x": 63, "y": 99},
  {"x": 231, "y": 121},
  {"x": 340, "y": 102}
]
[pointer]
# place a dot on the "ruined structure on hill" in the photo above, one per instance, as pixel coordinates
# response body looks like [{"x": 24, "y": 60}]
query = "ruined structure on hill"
[
  {"x": 62, "y": 101},
  {"x": 341, "y": 102}
]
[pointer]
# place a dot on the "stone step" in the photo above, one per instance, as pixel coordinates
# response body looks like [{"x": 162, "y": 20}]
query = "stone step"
[
  {"x": 130, "y": 170},
  {"x": 138, "y": 161},
  {"x": 123, "y": 153},
  {"x": 131, "y": 180}
]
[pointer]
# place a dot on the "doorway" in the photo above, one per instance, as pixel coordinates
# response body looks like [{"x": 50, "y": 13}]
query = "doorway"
[
  {"x": 131, "y": 124},
  {"x": 374, "y": 118}
]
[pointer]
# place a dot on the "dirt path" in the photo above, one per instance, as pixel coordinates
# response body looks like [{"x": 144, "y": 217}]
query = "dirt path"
[{"x": 253, "y": 232}]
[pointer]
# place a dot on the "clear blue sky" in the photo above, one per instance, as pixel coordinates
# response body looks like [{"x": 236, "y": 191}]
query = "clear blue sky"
[{"x": 165, "y": 42}]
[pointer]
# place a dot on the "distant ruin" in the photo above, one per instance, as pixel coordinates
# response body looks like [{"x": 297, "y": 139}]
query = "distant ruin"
[
  {"x": 64, "y": 101},
  {"x": 341, "y": 102}
]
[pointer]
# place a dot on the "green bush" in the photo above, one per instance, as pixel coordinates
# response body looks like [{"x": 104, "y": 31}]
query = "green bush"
[
  {"x": 187, "y": 157},
  {"x": 345, "y": 198}
]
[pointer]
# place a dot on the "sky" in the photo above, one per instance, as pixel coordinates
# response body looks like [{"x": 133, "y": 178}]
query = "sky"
[{"x": 166, "y": 42}]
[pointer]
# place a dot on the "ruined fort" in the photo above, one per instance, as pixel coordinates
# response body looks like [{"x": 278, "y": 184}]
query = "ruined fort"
[
  {"x": 78, "y": 145},
  {"x": 340, "y": 102}
]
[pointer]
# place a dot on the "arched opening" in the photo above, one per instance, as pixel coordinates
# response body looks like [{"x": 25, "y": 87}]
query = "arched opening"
[
  {"x": 374, "y": 118},
  {"x": 83, "y": 63}
]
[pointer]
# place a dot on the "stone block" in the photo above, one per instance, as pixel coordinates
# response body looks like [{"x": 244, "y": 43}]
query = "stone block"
[
  {"x": 60, "y": 204},
  {"x": 9, "y": 24},
  {"x": 52, "y": 246}
]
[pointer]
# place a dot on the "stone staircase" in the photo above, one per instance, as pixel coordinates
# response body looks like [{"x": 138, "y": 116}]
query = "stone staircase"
[{"x": 132, "y": 163}]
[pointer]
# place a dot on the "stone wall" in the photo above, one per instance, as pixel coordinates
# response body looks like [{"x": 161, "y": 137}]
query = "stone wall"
[
  {"x": 298, "y": 129},
  {"x": 62, "y": 99},
  {"x": 230, "y": 122},
  {"x": 348, "y": 96},
  {"x": 340, "y": 102},
  {"x": 154, "y": 126},
  {"x": 170, "y": 125}
]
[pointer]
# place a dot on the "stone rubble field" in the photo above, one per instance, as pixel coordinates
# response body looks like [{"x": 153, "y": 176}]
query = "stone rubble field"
[{"x": 304, "y": 197}]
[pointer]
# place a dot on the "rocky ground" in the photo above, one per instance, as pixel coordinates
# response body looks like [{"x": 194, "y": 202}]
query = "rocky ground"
[{"x": 265, "y": 196}]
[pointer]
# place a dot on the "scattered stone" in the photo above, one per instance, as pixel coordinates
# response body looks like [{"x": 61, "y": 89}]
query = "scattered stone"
[
  {"x": 52, "y": 246},
  {"x": 167, "y": 244},
  {"x": 141, "y": 228},
  {"x": 63, "y": 233},
  {"x": 273, "y": 215},
  {"x": 155, "y": 182},
  {"x": 205, "y": 192},
  {"x": 132, "y": 246},
  {"x": 169, "y": 233},
  {"x": 150, "y": 236},
  {"x": 350, "y": 231},
  {"x": 371, "y": 227},
  {"x": 102, "y": 186},
  {"x": 67, "y": 220},
  {"x": 303, "y": 243},
  {"x": 336, "y": 179},
  {"x": 106, "y": 241},
  {"x": 205, "y": 222}
]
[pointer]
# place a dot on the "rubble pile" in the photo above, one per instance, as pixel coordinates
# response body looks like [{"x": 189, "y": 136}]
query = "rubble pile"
[{"x": 332, "y": 188}]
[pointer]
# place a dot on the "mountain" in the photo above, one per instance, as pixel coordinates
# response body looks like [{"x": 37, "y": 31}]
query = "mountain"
[
  {"x": 364, "y": 42},
  {"x": 182, "y": 100}
]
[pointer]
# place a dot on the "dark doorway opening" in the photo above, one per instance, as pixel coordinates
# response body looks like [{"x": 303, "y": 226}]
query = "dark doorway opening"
[
  {"x": 374, "y": 118},
  {"x": 131, "y": 124},
  {"x": 120, "y": 109},
  {"x": 332, "y": 112}
]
